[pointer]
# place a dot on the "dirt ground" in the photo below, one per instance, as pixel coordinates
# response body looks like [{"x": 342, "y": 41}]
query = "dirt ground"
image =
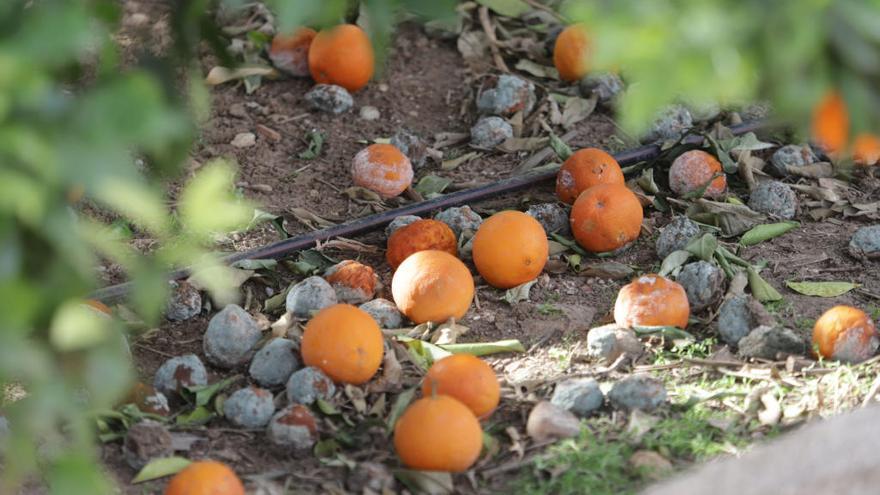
[{"x": 426, "y": 88}]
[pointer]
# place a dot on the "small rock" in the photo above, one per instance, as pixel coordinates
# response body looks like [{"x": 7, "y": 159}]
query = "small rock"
[
  {"x": 459, "y": 219},
  {"x": 353, "y": 282},
  {"x": 371, "y": 477},
  {"x": 244, "y": 140},
  {"x": 552, "y": 216},
  {"x": 865, "y": 243},
  {"x": 274, "y": 363},
  {"x": 581, "y": 396},
  {"x": 411, "y": 145},
  {"x": 232, "y": 334},
  {"x": 145, "y": 441},
  {"x": 185, "y": 301},
  {"x": 637, "y": 392},
  {"x": 308, "y": 385},
  {"x": 792, "y": 155},
  {"x": 295, "y": 427},
  {"x": 398, "y": 222},
  {"x": 608, "y": 342},
  {"x": 605, "y": 85},
  {"x": 548, "y": 421},
  {"x": 768, "y": 342},
  {"x": 249, "y": 407},
  {"x": 774, "y": 198},
  {"x": 676, "y": 235},
  {"x": 703, "y": 282},
  {"x": 179, "y": 372},
  {"x": 650, "y": 464},
  {"x": 738, "y": 315},
  {"x": 505, "y": 95},
  {"x": 238, "y": 110},
  {"x": 329, "y": 98},
  {"x": 671, "y": 124},
  {"x": 309, "y": 296},
  {"x": 369, "y": 113},
  {"x": 489, "y": 132},
  {"x": 384, "y": 312}
]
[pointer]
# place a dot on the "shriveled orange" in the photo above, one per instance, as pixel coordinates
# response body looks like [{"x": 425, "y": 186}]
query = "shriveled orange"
[
  {"x": 432, "y": 286},
  {"x": 830, "y": 124},
  {"x": 692, "y": 170},
  {"x": 866, "y": 149},
  {"x": 652, "y": 301},
  {"x": 382, "y": 168},
  {"x": 571, "y": 53},
  {"x": 845, "y": 333},
  {"x": 438, "y": 433},
  {"x": 342, "y": 55},
  {"x": 467, "y": 378},
  {"x": 420, "y": 235},
  {"x": 344, "y": 342},
  {"x": 585, "y": 169},
  {"x": 290, "y": 52},
  {"x": 147, "y": 399},
  {"x": 510, "y": 249},
  {"x": 606, "y": 217},
  {"x": 205, "y": 478},
  {"x": 353, "y": 281}
]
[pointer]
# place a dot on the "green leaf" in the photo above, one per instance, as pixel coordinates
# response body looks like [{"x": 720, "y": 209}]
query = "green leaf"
[
  {"x": 326, "y": 448},
  {"x": 159, "y": 468},
  {"x": 316, "y": 142},
  {"x": 400, "y": 404},
  {"x": 727, "y": 162},
  {"x": 326, "y": 407},
  {"x": 507, "y": 8},
  {"x": 197, "y": 416},
  {"x": 703, "y": 247},
  {"x": 485, "y": 348},
  {"x": 426, "y": 482},
  {"x": 821, "y": 289},
  {"x": 518, "y": 293},
  {"x": 207, "y": 203},
  {"x": 432, "y": 185},
  {"x": 275, "y": 302},
  {"x": 204, "y": 394},
  {"x": 746, "y": 142},
  {"x": 562, "y": 150},
  {"x": 258, "y": 264},
  {"x": 673, "y": 261},
  {"x": 761, "y": 233},
  {"x": 762, "y": 290},
  {"x": 674, "y": 333},
  {"x": 569, "y": 243}
]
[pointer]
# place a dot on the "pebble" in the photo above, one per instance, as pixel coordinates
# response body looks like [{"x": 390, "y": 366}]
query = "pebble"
[
  {"x": 274, "y": 363},
  {"x": 411, "y": 145},
  {"x": 791, "y": 155},
  {"x": 548, "y": 421},
  {"x": 505, "y": 95},
  {"x": 329, "y": 98},
  {"x": 231, "y": 336},
  {"x": 310, "y": 296},
  {"x": 185, "y": 301},
  {"x": 369, "y": 113},
  {"x": 738, "y": 315},
  {"x": 398, "y": 222},
  {"x": 865, "y": 243},
  {"x": 768, "y": 342},
  {"x": 671, "y": 124},
  {"x": 295, "y": 427},
  {"x": 460, "y": 219},
  {"x": 552, "y": 216},
  {"x": 489, "y": 132},
  {"x": 774, "y": 198},
  {"x": 637, "y": 392},
  {"x": 676, "y": 235},
  {"x": 249, "y": 407},
  {"x": 581, "y": 396},
  {"x": 146, "y": 440},
  {"x": 703, "y": 283},
  {"x": 308, "y": 385},
  {"x": 179, "y": 372},
  {"x": 608, "y": 342},
  {"x": 244, "y": 140},
  {"x": 384, "y": 312},
  {"x": 605, "y": 85}
]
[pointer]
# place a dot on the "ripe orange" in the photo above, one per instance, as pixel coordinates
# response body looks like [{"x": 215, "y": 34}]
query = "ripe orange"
[
  {"x": 571, "y": 53},
  {"x": 510, "y": 248},
  {"x": 290, "y": 52},
  {"x": 652, "y": 301},
  {"x": 205, "y": 478},
  {"x": 866, "y": 149},
  {"x": 692, "y": 170},
  {"x": 344, "y": 342},
  {"x": 342, "y": 55},
  {"x": 438, "y": 433},
  {"x": 382, "y": 168},
  {"x": 467, "y": 378},
  {"x": 606, "y": 217},
  {"x": 585, "y": 169},
  {"x": 432, "y": 286},
  {"x": 420, "y": 235},
  {"x": 845, "y": 334},
  {"x": 831, "y": 123}
]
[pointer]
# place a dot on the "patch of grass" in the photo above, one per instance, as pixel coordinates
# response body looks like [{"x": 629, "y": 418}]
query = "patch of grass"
[
  {"x": 548, "y": 309},
  {"x": 874, "y": 311},
  {"x": 698, "y": 349}
]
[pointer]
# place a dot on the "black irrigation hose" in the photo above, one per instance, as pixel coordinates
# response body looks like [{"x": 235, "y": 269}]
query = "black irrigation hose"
[{"x": 363, "y": 225}]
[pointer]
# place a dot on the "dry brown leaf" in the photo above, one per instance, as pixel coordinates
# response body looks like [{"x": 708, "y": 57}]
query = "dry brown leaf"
[
  {"x": 220, "y": 75},
  {"x": 309, "y": 218},
  {"x": 813, "y": 171}
]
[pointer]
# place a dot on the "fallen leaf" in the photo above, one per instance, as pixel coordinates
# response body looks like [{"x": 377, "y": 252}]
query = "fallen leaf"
[
  {"x": 813, "y": 171},
  {"x": 507, "y": 8},
  {"x": 703, "y": 247},
  {"x": 392, "y": 372},
  {"x": 765, "y": 232},
  {"x": 673, "y": 262},
  {"x": 562, "y": 150},
  {"x": 400, "y": 404},
  {"x": 485, "y": 348},
  {"x": 518, "y": 293},
  {"x": 220, "y": 75},
  {"x": 426, "y": 482},
  {"x": 537, "y": 69},
  {"x": 159, "y": 468},
  {"x": 448, "y": 332},
  {"x": 577, "y": 109},
  {"x": 762, "y": 290},
  {"x": 458, "y": 161},
  {"x": 473, "y": 45},
  {"x": 821, "y": 289},
  {"x": 522, "y": 144},
  {"x": 309, "y": 218},
  {"x": 431, "y": 185},
  {"x": 608, "y": 269}
]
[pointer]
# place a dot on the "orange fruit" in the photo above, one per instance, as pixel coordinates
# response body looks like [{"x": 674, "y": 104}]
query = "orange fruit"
[
  {"x": 830, "y": 125},
  {"x": 420, "y": 235},
  {"x": 606, "y": 217},
  {"x": 353, "y": 282},
  {"x": 585, "y": 169},
  {"x": 342, "y": 55},
  {"x": 382, "y": 168},
  {"x": 147, "y": 399},
  {"x": 571, "y": 53},
  {"x": 510, "y": 249},
  {"x": 866, "y": 149},
  {"x": 466, "y": 378},
  {"x": 692, "y": 170},
  {"x": 344, "y": 342},
  {"x": 844, "y": 333},
  {"x": 438, "y": 433},
  {"x": 290, "y": 52},
  {"x": 205, "y": 478},
  {"x": 432, "y": 286},
  {"x": 652, "y": 301}
]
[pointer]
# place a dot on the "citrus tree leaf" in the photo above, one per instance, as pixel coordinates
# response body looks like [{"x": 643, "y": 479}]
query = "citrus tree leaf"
[
  {"x": 507, "y": 8},
  {"x": 400, "y": 405},
  {"x": 821, "y": 289},
  {"x": 762, "y": 290},
  {"x": 765, "y": 232},
  {"x": 432, "y": 185},
  {"x": 562, "y": 150},
  {"x": 161, "y": 467},
  {"x": 673, "y": 261},
  {"x": 426, "y": 482},
  {"x": 485, "y": 348},
  {"x": 703, "y": 247}
]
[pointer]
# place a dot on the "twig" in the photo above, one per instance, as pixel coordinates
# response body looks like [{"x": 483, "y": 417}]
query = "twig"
[
  {"x": 493, "y": 41},
  {"x": 875, "y": 387},
  {"x": 157, "y": 351}
]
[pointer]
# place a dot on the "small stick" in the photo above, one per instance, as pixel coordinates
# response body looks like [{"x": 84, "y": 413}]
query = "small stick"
[
  {"x": 493, "y": 41},
  {"x": 542, "y": 155}
]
